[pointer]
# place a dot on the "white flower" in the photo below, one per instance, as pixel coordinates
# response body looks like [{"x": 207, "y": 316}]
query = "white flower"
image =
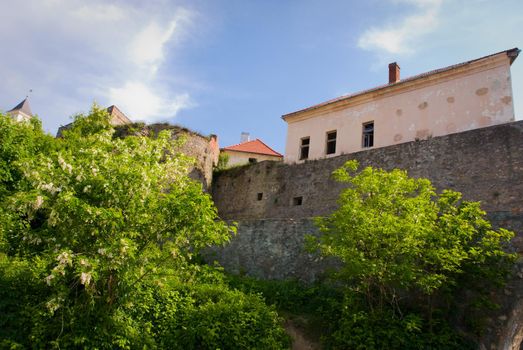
[
  {"x": 48, "y": 279},
  {"x": 64, "y": 258},
  {"x": 38, "y": 203},
  {"x": 85, "y": 278},
  {"x": 64, "y": 165}
]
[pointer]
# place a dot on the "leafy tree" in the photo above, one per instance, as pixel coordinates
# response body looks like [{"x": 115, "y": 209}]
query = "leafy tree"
[
  {"x": 402, "y": 246},
  {"x": 102, "y": 226}
]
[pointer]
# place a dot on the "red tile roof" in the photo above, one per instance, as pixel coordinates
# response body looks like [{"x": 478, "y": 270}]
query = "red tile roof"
[
  {"x": 255, "y": 146},
  {"x": 512, "y": 54}
]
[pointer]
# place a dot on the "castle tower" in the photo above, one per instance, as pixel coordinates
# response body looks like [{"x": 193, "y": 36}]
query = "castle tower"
[{"x": 22, "y": 111}]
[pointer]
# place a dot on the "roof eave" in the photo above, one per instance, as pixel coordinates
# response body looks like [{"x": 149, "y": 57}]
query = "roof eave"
[{"x": 512, "y": 54}]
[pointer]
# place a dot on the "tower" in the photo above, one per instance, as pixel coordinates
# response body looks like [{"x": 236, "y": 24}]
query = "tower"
[{"x": 22, "y": 111}]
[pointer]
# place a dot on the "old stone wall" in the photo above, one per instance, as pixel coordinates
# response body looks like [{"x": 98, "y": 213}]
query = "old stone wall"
[
  {"x": 204, "y": 149},
  {"x": 274, "y": 204},
  {"x": 484, "y": 164}
]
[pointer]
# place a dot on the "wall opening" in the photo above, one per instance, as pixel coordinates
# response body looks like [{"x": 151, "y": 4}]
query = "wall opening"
[
  {"x": 253, "y": 160},
  {"x": 297, "y": 200},
  {"x": 260, "y": 196},
  {"x": 304, "y": 148},
  {"x": 331, "y": 142},
  {"x": 368, "y": 135}
]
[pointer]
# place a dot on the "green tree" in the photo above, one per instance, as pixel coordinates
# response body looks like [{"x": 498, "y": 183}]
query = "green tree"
[
  {"x": 402, "y": 245},
  {"x": 104, "y": 228}
]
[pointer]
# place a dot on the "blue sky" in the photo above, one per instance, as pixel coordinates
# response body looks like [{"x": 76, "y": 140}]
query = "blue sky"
[{"x": 224, "y": 67}]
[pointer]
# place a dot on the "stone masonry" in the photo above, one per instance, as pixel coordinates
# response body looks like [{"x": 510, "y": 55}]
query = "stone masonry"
[{"x": 274, "y": 203}]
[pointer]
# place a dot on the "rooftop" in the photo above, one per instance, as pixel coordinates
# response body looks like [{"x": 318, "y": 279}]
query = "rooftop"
[
  {"x": 255, "y": 146},
  {"x": 512, "y": 54},
  {"x": 23, "y": 107}
]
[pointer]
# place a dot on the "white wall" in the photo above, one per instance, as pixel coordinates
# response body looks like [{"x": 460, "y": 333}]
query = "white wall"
[{"x": 436, "y": 105}]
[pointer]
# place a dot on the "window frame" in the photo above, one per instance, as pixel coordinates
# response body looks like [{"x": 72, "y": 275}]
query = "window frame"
[
  {"x": 331, "y": 141},
  {"x": 366, "y": 135},
  {"x": 303, "y": 146}
]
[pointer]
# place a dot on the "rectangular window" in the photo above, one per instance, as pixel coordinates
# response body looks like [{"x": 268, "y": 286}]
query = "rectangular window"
[
  {"x": 297, "y": 201},
  {"x": 368, "y": 135},
  {"x": 252, "y": 160},
  {"x": 304, "y": 148},
  {"x": 331, "y": 142},
  {"x": 260, "y": 196}
]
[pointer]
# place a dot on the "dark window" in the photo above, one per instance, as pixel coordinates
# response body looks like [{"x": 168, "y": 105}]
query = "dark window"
[
  {"x": 304, "y": 148},
  {"x": 260, "y": 196},
  {"x": 297, "y": 200},
  {"x": 368, "y": 135},
  {"x": 331, "y": 142},
  {"x": 252, "y": 160}
]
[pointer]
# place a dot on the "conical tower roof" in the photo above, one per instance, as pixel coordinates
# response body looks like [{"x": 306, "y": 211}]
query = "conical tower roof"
[{"x": 23, "y": 107}]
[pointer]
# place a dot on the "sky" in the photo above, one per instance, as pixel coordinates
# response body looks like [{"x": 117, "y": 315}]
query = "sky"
[{"x": 230, "y": 66}]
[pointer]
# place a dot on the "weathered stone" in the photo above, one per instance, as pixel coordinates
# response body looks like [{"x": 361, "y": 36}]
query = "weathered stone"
[{"x": 484, "y": 164}]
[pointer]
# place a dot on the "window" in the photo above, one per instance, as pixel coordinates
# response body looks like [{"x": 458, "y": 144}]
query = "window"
[
  {"x": 297, "y": 200},
  {"x": 304, "y": 148},
  {"x": 260, "y": 196},
  {"x": 368, "y": 135},
  {"x": 331, "y": 142},
  {"x": 252, "y": 160}
]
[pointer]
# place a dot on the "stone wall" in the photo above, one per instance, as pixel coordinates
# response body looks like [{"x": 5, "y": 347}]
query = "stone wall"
[
  {"x": 484, "y": 164},
  {"x": 204, "y": 149}
]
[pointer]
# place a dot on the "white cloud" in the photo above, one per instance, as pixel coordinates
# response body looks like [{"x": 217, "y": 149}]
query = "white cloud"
[
  {"x": 147, "y": 104},
  {"x": 402, "y": 38},
  {"x": 71, "y": 52},
  {"x": 148, "y": 47}
]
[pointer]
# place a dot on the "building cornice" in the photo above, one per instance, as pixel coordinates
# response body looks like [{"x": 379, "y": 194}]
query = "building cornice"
[{"x": 403, "y": 86}]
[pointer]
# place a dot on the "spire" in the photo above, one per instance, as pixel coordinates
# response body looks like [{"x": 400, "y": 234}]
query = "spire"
[{"x": 23, "y": 107}]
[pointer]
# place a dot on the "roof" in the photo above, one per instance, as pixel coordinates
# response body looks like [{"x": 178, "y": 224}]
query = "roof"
[
  {"x": 118, "y": 116},
  {"x": 23, "y": 107},
  {"x": 256, "y": 146},
  {"x": 512, "y": 54}
]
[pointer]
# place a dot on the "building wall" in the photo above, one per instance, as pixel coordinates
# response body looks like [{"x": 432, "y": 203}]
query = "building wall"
[
  {"x": 203, "y": 149},
  {"x": 240, "y": 158},
  {"x": 474, "y": 96},
  {"x": 19, "y": 116},
  {"x": 484, "y": 164}
]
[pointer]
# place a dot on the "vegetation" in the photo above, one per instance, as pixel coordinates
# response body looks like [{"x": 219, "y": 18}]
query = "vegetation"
[
  {"x": 100, "y": 237},
  {"x": 99, "y": 243},
  {"x": 407, "y": 256}
]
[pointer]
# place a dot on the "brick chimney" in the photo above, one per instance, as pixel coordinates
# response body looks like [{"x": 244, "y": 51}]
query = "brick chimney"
[{"x": 394, "y": 73}]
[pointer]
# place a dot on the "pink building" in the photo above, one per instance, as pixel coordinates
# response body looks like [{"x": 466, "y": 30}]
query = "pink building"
[{"x": 465, "y": 96}]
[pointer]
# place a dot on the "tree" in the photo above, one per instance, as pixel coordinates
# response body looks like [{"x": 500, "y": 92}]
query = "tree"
[
  {"x": 402, "y": 245},
  {"x": 107, "y": 228}
]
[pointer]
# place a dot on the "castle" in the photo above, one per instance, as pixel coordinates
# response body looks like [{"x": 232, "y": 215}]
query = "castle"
[{"x": 454, "y": 125}]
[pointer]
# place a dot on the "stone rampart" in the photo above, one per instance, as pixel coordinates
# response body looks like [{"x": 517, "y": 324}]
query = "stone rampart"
[{"x": 274, "y": 203}]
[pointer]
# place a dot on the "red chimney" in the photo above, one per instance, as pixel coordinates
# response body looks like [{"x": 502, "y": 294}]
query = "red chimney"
[{"x": 394, "y": 73}]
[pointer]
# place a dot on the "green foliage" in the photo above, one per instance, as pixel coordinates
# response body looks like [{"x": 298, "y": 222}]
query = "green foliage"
[
  {"x": 96, "y": 232},
  {"x": 404, "y": 247},
  {"x": 223, "y": 161},
  {"x": 292, "y": 296},
  {"x": 18, "y": 141}
]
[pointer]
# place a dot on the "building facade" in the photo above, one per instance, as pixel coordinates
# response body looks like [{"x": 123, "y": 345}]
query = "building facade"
[
  {"x": 248, "y": 151},
  {"x": 462, "y": 97}
]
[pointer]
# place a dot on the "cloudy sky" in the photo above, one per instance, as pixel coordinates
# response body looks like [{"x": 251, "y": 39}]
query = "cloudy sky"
[{"x": 227, "y": 66}]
